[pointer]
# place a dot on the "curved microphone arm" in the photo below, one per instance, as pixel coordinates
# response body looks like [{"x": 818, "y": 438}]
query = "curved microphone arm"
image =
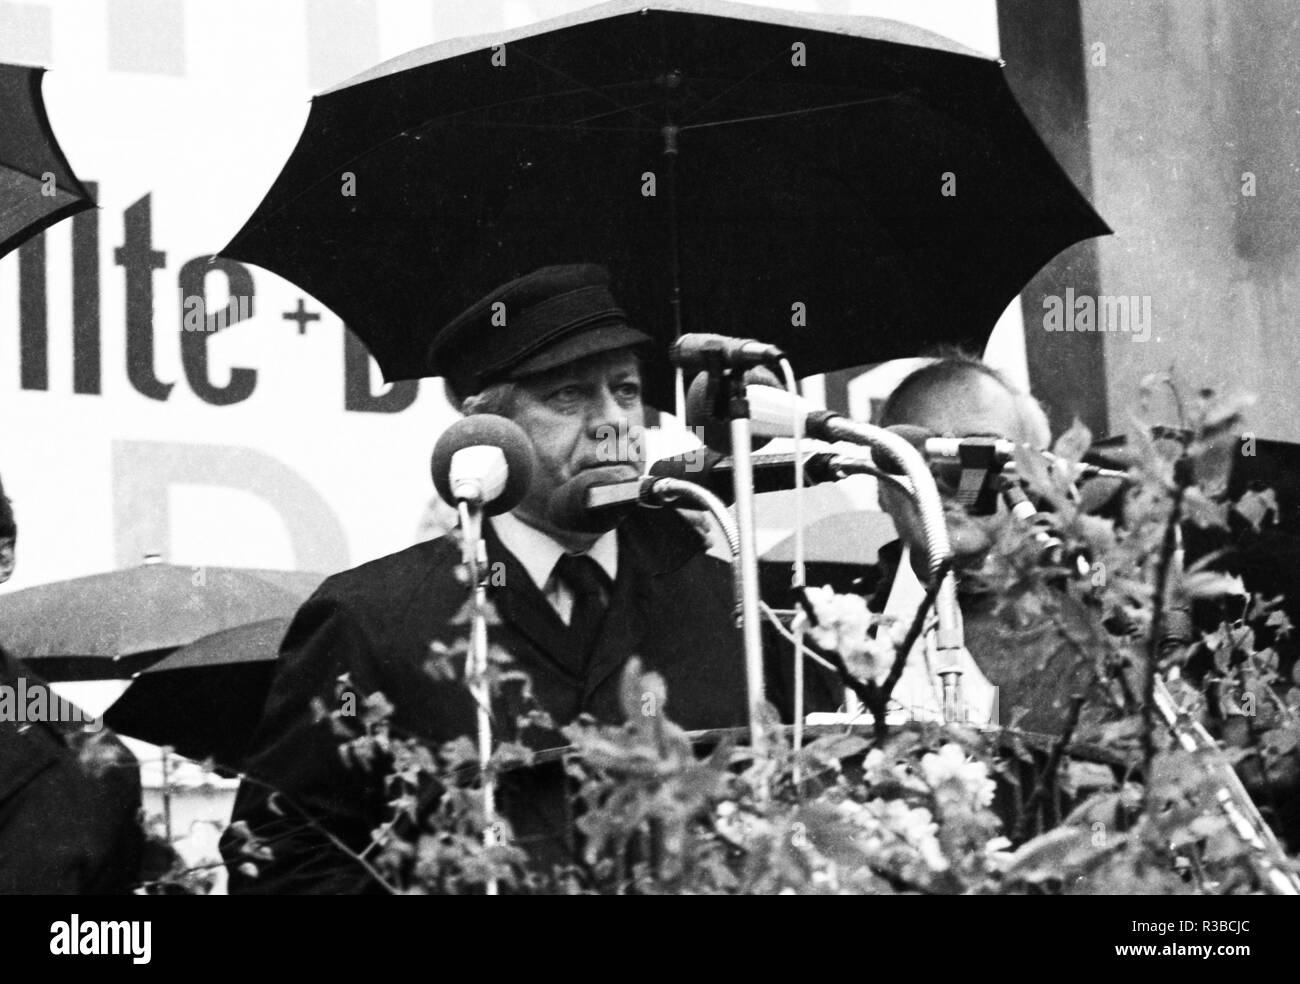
[
  {"x": 669, "y": 490},
  {"x": 899, "y": 451},
  {"x": 912, "y": 463}
]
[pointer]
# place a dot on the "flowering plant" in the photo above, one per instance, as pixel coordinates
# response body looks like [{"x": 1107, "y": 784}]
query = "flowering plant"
[{"x": 1127, "y": 794}]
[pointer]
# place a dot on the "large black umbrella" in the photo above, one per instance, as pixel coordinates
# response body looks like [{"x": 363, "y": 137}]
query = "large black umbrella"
[
  {"x": 37, "y": 186},
  {"x": 109, "y": 626},
  {"x": 852, "y": 189},
  {"x": 205, "y": 699}
]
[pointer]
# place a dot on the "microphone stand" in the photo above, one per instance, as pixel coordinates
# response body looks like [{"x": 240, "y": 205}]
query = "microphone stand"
[
  {"x": 949, "y": 636},
  {"x": 474, "y": 557},
  {"x": 730, "y": 403}
]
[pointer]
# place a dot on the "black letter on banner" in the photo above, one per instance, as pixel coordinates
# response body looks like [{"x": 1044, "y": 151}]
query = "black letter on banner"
[
  {"x": 86, "y": 371},
  {"x": 33, "y": 323},
  {"x": 140, "y": 259},
  {"x": 192, "y": 281},
  {"x": 356, "y": 382}
]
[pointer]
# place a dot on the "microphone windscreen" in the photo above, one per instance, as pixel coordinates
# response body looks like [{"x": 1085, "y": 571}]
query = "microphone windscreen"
[
  {"x": 688, "y": 467},
  {"x": 568, "y": 505},
  {"x": 490, "y": 430},
  {"x": 716, "y": 433},
  {"x": 913, "y": 435},
  {"x": 701, "y": 468}
]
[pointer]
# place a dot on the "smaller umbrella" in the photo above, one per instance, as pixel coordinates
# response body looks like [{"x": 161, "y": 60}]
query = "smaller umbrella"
[
  {"x": 37, "y": 186},
  {"x": 205, "y": 699},
  {"x": 109, "y": 626}
]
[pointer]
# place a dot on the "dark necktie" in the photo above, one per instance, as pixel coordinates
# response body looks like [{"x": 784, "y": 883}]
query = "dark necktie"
[{"x": 590, "y": 585}]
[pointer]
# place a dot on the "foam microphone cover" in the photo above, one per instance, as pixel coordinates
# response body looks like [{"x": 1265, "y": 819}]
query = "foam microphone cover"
[
  {"x": 568, "y": 506},
  {"x": 915, "y": 436},
  {"x": 487, "y": 429},
  {"x": 715, "y": 433},
  {"x": 698, "y": 467}
]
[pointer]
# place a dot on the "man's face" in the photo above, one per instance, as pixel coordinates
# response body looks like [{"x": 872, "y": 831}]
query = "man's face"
[
  {"x": 971, "y": 405},
  {"x": 587, "y": 414},
  {"x": 6, "y": 558}
]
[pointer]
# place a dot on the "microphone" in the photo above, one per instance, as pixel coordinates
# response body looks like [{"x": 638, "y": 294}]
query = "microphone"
[
  {"x": 485, "y": 460},
  {"x": 772, "y": 414},
  {"x": 770, "y": 411},
  {"x": 1051, "y": 551},
  {"x": 990, "y": 453},
  {"x": 772, "y": 472},
  {"x": 700, "y": 350},
  {"x": 713, "y": 431},
  {"x": 594, "y": 500}
]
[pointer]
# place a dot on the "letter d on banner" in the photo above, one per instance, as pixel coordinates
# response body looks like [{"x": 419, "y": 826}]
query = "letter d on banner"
[{"x": 144, "y": 472}]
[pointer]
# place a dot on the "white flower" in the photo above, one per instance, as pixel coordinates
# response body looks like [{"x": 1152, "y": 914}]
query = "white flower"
[
  {"x": 874, "y": 764},
  {"x": 951, "y": 771},
  {"x": 889, "y": 825},
  {"x": 916, "y": 826},
  {"x": 844, "y": 624}
]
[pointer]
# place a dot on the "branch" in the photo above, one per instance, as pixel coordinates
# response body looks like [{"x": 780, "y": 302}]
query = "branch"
[
  {"x": 914, "y": 631},
  {"x": 1047, "y": 778},
  {"x": 334, "y": 840},
  {"x": 1167, "y": 548}
]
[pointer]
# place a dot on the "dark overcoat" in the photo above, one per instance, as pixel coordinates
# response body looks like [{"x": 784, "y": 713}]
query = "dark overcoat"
[
  {"x": 671, "y": 606},
  {"x": 68, "y": 825}
]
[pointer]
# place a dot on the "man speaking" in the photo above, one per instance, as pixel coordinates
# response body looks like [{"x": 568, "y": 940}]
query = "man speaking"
[{"x": 553, "y": 352}]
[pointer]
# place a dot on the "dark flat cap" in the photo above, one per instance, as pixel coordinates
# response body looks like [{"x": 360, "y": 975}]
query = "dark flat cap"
[{"x": 547, "y": 318}]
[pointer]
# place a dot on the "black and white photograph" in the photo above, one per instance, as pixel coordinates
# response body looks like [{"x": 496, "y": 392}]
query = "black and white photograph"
[{"x": 650, "y": 447}]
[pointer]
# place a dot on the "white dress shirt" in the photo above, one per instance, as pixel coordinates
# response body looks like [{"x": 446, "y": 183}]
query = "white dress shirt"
[
  {"x": 918, "y": 696},
  {"x": 538, "y": 553}
]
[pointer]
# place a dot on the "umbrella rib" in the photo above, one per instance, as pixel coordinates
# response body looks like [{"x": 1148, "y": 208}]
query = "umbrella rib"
[
  {"x": 575, "y": 125},
  {"x": 795, "y": 112},
  {"x": 58, "y": 186},
  {"x": 731, "y": 88},
  {"x": 523, "y": 100},
  {"x": 449, "y": 117},
  {"x": 600, "y": 116},
  {"x": 587, "y": 87}
]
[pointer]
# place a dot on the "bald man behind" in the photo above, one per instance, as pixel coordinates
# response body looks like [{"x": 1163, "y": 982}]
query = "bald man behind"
[{"x": 1036, "y": 673}]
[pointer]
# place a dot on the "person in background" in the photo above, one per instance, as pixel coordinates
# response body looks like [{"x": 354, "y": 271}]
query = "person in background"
[
  {"x": 69, "y": 803},
  {"x": 961, "y": 396}
]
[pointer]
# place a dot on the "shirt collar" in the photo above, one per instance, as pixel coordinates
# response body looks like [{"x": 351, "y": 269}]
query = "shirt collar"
[{"x": 538, "y": 552}]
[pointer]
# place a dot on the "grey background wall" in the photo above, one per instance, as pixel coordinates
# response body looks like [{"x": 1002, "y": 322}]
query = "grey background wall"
[{"x": 1180, "y": 119}]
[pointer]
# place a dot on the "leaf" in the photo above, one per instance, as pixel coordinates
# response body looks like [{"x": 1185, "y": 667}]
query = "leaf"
[
  {"x": 1074, "y": 443},
  {"x": 1280, "y": 741},
  {"x": 1079, "y": 777},
  {"x": 1224, "y": 411},
  {"x": 1280, "y": 622},
  {"x": 1256, "y": 507},
  {"x": 1212, "y": 464},
  {"x": 1051, "y": 855},
  {"x": 1212, "y": 584},
  {"x": 1203, "y": 511},
  {"x": 835, "y": 747}
]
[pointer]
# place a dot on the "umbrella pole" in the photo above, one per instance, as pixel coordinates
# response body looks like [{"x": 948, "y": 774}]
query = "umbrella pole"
[
  {"x": 475, "y": 555},
  {"x": 744, "y": 488},
  {"x": 675, "y": 263},
  {"x": 167, "y": 794}
]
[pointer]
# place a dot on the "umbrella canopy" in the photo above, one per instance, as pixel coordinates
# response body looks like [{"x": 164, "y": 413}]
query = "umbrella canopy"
[
  {"x": 29, "y": 200},
  {"x": 849, "y": 188},
  {"x": 111, "y": 625},
  {"x": 205, "y": 699}
]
